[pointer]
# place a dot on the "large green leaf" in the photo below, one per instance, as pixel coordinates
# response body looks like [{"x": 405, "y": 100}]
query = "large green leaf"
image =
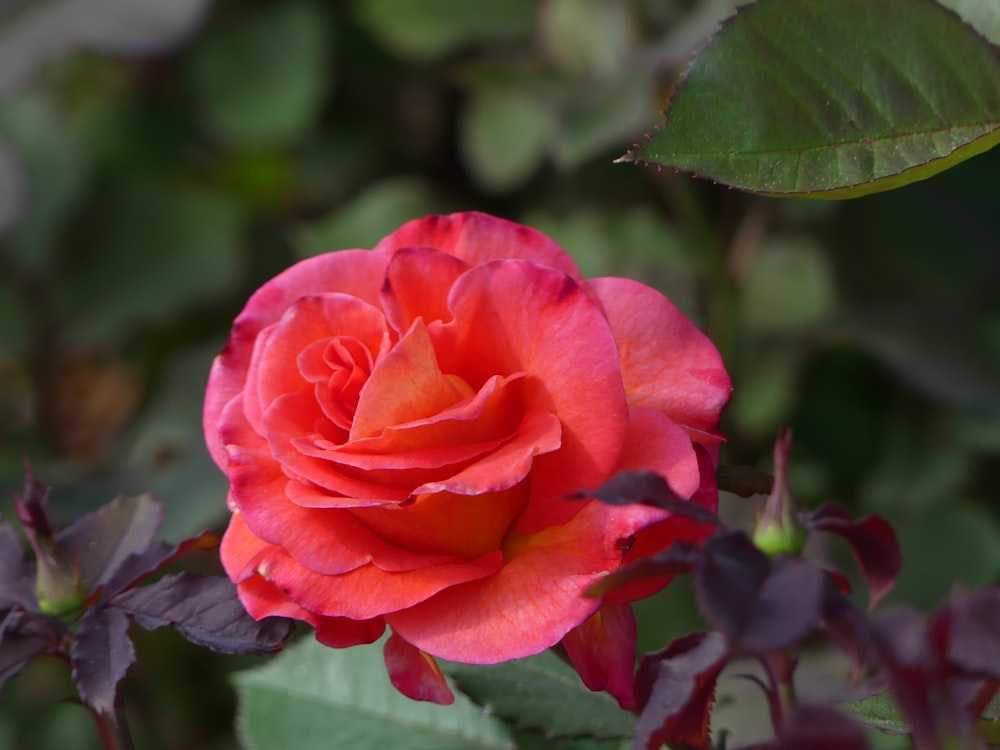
[
  {"x": 543, "y": 693},
  {"x": 958, "y": 544},
  {"x": 505, "y": 135},
  {"x": 159, "y": 250},
  {"x": 44, "y": 176},
  {"x": 832, "y": 98},
  {"x": 262, "y": 79},
  {"x": 370, "y": 216},
  {"x": 433, "y": 28},
  {"x": 315, "y": 698}
]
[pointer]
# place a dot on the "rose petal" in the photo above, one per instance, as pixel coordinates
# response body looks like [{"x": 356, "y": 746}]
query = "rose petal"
[
  {"x": 649, "y": 541},
  {"x": 326, "y": 541},
  {"x": 464, "y": 526},
  {"x": 417, "y": 283},
  {"x": 407, "y": 384},
  {"x": 534, "y": 600},
  {"x": 414, "y": 673},
  {"x": 513, "y": 316},
  {"x": 652, "y": 442},
  {"x": 274, "y": 366},
  {"x": 655, "y": 443},
  {"x": 360, "y": 594},
  {"x": 262, "y": 599},
  {"x": 478, "y": 238},
  {"x": 465, "y": 430},
  {"x": 354, "y": 272},
  {"x": 368, "y": 592},
  {"x": 603, "y": 651},
  {"x": 252, "y": 456},
  {"x": 539, "y": 433},
  {"x": 667, "y": 364}
]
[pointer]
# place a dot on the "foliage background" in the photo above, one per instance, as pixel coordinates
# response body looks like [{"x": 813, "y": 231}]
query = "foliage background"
[{"x": 159, "y": 161}]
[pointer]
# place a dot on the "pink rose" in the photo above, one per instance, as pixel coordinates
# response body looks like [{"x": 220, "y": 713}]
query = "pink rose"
[{"x": 400, "y": 428}]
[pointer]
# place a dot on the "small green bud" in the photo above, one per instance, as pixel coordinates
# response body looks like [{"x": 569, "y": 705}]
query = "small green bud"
[
  {"x": 780, "y": 540},
  {"x": 59, "y": 590},
  {"x": 779, "y": 531}
]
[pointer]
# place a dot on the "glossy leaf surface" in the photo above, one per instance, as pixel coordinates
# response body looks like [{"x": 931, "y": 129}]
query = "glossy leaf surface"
[
  {"x": 342, "y": 698},
  {"x": 832, "y": 99},
  {"x": 543, "y": 693}
]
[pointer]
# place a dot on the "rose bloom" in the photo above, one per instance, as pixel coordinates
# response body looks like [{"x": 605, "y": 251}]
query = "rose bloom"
[{"x": 401, "y": 429}]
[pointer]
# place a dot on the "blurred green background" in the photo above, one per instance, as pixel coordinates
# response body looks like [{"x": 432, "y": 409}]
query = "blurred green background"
[{"x": 160, "y": 160}]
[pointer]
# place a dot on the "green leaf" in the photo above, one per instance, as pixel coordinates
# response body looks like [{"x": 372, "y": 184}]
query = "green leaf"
[
  {"x": 433, "y": 28},
  {"x": 879, "y": 712},
  {"x": 602, "y": 116},
  {"x": 958, "y": 545},
  {"x": 46, "y": 174},
  {"x": 543, "y": 693},
  {"x": 166, "y": 460},
  {"x": 927, "y": 349},
  {"x": 261, "y": 80},
  {"x": 158, "y": 251},
  {"x": 788, "y": 286},
  {"x": 369, "y": 217},
  {"x": 329, "y": 698},
  {"x": 832, "y": 99},
  {"x": 505, "y": 134},
  {"x": 587, "y": 37},
  {"x": 11, "y": 188}
]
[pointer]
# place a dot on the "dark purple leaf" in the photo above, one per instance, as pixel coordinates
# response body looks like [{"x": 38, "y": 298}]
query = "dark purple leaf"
[
  {"x": 649, "y": 488},
  {"x": 972, "y": 694},
  {"x": 760, "y": 604},
  {"x": 17, "y": 651},
  {"x": 157, "y": 555},
  {"x": 967, "y": 631},
  {"x": 675, "y": 688},
  {"x": 32, "y": 508},
  {"x": 872, "y": 540},
  {"x": 100, "y": 542},
  {"x": 17, "y": 575},
  {"x": 680, "y": 557},
  {"x": 206, "y": 611},
  {"x": 898, "y": 645},
  {"x": 744, "y": 480},
  {"x": 849, "y": 628},
  {"x": 23, "y": 636},
  {"x": 816, "y": 728},
  {"x": 101, "y": 654}
]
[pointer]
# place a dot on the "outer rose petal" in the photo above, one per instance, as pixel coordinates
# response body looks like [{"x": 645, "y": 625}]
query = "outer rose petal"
[
  {"x": 651, "y": 540},
  {"x": 667, "y": 364},
  {"x": 263, "y": 599},
  {"x": 414, "y": 673},
  {"x": 330, "y": 542},
  {"x": 655, "y": 443},
  {"x": 603, "y": 651},
  {"x": 513, "y": 316},
  {"x": 360, "y": 594},
  {"x": 534, "y": 600},
  {"x": 478, "y": 238},
  {"x": 355, "y": 272}
]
